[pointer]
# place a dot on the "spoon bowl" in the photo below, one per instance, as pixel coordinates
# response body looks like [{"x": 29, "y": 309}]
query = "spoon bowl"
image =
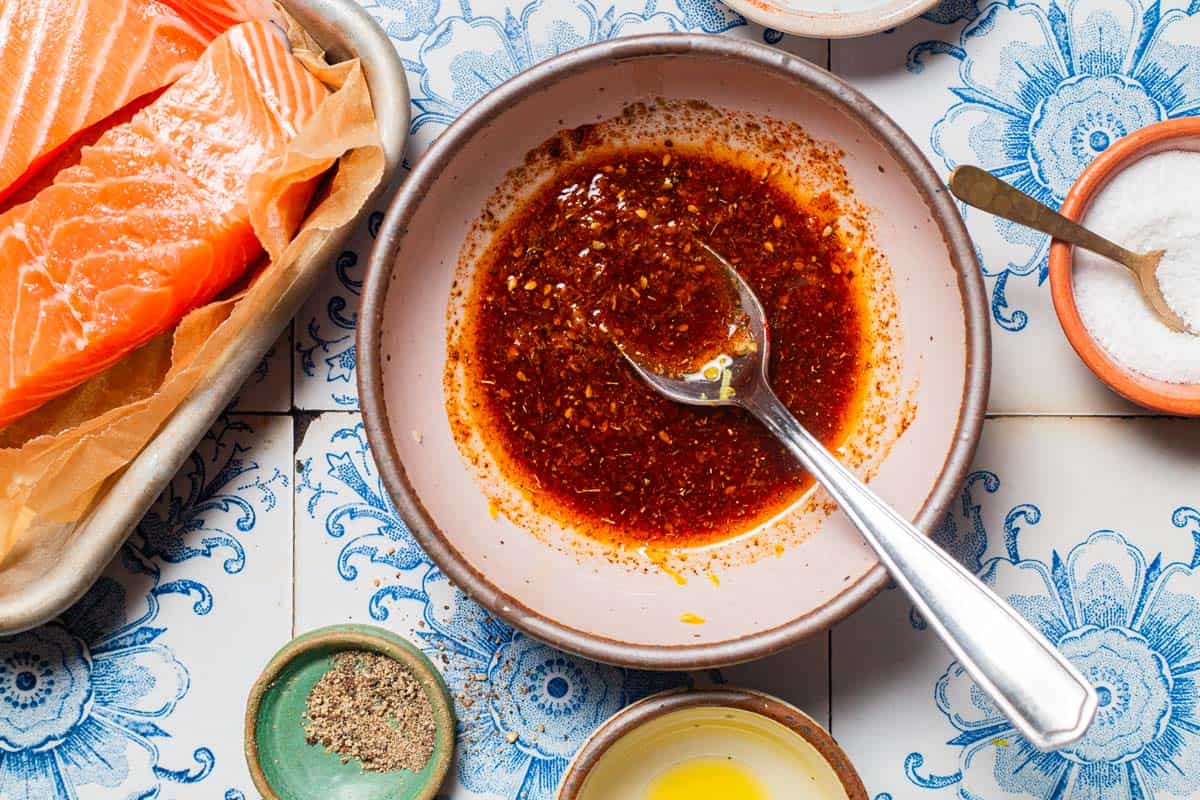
[
  {"x": 737, "y": 372},
  {"x": 1027, "y": 678},
  {"x": 1145, "y": 268}
]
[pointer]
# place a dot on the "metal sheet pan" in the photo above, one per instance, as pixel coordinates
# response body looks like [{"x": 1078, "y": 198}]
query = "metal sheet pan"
[{"x": 45, "y": 589}]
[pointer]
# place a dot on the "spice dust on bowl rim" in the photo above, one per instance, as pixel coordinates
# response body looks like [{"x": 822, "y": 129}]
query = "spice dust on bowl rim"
[
  {"x": 1159, "y": 395},
  {"x": 649, "y": 609},
  {"x": 284, "y": 766},
  {"x": 661, "y": 724}
]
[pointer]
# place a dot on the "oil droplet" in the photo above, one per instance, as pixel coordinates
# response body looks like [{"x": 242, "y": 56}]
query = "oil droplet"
[
  {"x": 660, "y": 560},
  {"x": 715, "y": 580}
]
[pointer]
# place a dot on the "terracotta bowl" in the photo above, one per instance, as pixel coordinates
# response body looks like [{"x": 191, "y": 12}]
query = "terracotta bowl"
[
  {"x": 1171, "y": 398},
  {"x": 593, "y": 606},
  {"x": 658, "y": 706},
  {"x": 840, "y": 20}
]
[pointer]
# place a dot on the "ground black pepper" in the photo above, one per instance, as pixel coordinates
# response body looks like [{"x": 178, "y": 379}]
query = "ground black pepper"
[{"x": 371, "y": 708}]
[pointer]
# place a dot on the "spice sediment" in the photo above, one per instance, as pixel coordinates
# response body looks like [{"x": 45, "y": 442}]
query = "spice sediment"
[{"x": 371, "y": 708}]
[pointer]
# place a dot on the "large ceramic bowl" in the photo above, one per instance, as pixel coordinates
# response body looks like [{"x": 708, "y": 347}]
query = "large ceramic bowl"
[{"x": 600, "y": 607}]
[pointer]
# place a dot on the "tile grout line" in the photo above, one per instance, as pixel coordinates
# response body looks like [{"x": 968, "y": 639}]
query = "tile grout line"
[
  {"x": 295, "y": 499},
  {"x": 829, "y": 679},
  {"x": 291, "y": 363}
]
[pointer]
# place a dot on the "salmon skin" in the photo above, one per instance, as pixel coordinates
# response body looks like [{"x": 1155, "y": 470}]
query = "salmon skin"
[
  {"x": 68, "y": 64},
  {"x": 151, "y": 223}
]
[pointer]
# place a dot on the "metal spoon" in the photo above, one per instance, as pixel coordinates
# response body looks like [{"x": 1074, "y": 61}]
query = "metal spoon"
[
  {"x": 979, "y": 188},
  {"x": 1030, "y": 682}
]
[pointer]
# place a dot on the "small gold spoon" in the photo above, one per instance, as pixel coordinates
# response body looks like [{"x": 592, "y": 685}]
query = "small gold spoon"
[{"x": 981, "y": 189}]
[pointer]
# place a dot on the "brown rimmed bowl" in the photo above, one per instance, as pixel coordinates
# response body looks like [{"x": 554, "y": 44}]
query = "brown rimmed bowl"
[
  {"x": 1169, "y": 398},
  {"x": 655, "y": 708},
  {"x": 604, "y": 609}
]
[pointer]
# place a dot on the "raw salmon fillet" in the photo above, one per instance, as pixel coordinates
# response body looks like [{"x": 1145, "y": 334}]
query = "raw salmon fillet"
[
  {"x": 68, "y": 155},
  {"x": 214, "y": 16},
  {"x": 68, "y": 64},
  {"x": 151, "y": 223}
]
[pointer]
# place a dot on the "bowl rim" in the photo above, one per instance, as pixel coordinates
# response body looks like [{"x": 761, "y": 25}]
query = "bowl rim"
[
  {"x": 848, "y": 25},
  {"x": 1157, "y": 395},
  {"x": 384, "y": 258},
  {"x": 773, "y": 708}
]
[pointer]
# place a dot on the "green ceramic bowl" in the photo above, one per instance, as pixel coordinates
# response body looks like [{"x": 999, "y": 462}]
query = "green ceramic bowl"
[{"x": 285, "y": 767}]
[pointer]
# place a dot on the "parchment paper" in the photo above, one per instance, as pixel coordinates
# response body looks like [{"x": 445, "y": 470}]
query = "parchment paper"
[{"x": 55, "y": 462}]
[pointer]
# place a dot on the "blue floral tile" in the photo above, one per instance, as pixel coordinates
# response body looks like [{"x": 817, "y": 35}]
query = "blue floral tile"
[
  {"x": 1031, "y": 90},
  {"x": 1104, "y": 566},
  {"x": 324, "y": 357},
  {"x": 83, "y": 699},
  {"x": 137, "y": 690},
  {"x": 523, "y": 707},
  {"x": 454, "y": 53},
  {"x": 1090, "y": 526}
]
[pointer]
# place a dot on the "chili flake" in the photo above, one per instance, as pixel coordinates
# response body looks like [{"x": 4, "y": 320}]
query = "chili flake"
[{"x": 556, "y": 399}]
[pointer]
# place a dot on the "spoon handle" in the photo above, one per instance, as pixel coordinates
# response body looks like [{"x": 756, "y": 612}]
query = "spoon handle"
[
  {"x": 1030, "y": 682},
  {"x": 979, "y": 188}
]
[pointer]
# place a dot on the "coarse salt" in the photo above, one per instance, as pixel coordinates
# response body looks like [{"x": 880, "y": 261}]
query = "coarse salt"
[{"x": 1148, "y": 206}]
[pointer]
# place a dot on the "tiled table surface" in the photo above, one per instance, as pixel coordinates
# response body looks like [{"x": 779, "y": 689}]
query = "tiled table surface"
[{"x": 1083, "y": 513}]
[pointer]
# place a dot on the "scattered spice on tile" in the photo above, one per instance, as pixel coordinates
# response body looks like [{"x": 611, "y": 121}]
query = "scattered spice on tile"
[{"x": 371, "y": 708}]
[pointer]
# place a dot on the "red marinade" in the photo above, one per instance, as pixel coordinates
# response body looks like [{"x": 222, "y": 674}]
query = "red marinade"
[{"x": 607, "y": 248}]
